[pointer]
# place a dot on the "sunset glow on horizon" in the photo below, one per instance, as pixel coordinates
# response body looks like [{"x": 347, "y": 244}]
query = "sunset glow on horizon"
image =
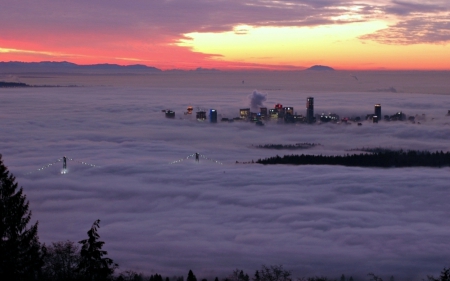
[{"x": 229, "y": 35}]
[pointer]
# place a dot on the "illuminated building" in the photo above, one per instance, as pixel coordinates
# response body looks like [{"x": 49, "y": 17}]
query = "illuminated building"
[
  {"x": 378, "y": 111},
  {"x": 299, "y": 118},
  {"x": 330, "y": 117},
  {"x": 213, "y": 116},
  {"x": 244, "y": 113},
  {"x": 288, "y": 110},
  {"x": 310, "y": 109},
  {"x": 170, "y": 114},
  {"x": 273, "y": 113},
  {"x": 370, "y": 117},
  {"x": 399, "y": 116},
  {"x": 201, "y": 115},
  {"x": 288, "y": 114},
  {"x": 280, "y": 111}
]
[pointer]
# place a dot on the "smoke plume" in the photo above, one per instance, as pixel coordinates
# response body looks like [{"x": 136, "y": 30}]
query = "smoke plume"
[{"x": 256, "y": 100}]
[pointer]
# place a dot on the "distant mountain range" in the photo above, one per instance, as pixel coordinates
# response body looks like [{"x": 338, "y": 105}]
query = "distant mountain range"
[
  {"x": 64, "y": 66},
  {"x": 49, "y": 66}
]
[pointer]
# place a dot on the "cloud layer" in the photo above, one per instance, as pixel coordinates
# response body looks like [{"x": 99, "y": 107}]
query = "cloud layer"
[{"x": 211, "y": 218}]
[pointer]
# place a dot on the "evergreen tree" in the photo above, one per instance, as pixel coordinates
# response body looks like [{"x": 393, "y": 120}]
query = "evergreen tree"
[
  {"x": 445, "y": 276},
  {"x": 20, "y": 251},
  {"x": 374, "y": 277},
  {"x": 191, "y": 276},
  {"x": 256, "y": 277},
  {"x": 93, "y": 266}
]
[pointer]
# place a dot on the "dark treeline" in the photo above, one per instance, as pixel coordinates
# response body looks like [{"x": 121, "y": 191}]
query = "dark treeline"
[
  {"x": 24, "y": 85},
  {"x": 24, "y": 258},
  {"x": 303, "y": 145},
  {"x": 374, "y": 149},
  {"x": 385, "y": 159},
  {"x": 12, "y": 84}
]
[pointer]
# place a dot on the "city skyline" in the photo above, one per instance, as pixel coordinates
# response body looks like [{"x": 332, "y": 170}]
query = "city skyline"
[{"x": 231, "y": 35}]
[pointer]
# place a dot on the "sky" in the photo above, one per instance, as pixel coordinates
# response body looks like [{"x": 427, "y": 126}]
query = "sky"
[
  {"x": 164, "y": 218},
  {"x": 230, "y": 34}
]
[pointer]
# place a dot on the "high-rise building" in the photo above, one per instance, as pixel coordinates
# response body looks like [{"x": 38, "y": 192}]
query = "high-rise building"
[
  {"x": 378, "y": 112},
  {"x": 310, "y": 110},
  {"x": 213, "y": 116},
  {"x": 279, "y": 108},
  {"x": 263, "y": 112}
]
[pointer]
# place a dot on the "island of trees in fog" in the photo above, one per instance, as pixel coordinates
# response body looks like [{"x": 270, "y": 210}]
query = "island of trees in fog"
[{"x": 380, "y": 158}]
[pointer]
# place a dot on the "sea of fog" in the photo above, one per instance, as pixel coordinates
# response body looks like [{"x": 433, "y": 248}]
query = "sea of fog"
[{"x": 215, "y": 217}]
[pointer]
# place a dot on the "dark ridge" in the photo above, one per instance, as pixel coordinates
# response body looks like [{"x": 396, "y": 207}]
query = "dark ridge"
[
  {"x": 201, "y": 69},
  {"x": 64, "y": 65},
  {"x": 384, "y": 159},
  {"x": 23, "y": 85},
  {"x": 320, "y": 68},
  {"x": 13, "y": 84}
]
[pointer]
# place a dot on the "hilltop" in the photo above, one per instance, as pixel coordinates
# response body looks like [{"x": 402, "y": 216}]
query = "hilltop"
[{"x": 320, "y": 68}]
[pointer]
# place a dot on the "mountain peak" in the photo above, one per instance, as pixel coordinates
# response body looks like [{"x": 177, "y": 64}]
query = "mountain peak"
[{"x": 320, "y": 68}]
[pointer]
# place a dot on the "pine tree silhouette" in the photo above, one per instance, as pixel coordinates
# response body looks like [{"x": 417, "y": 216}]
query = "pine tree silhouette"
[{"x": 20, "y": 251}]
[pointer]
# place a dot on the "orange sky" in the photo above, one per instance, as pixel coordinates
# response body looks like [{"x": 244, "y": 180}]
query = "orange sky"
[{"x": 254, "y": 34}]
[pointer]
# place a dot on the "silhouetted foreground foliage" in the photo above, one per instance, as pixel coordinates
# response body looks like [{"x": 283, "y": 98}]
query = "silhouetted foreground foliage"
[
  {"x": 445, "y": 276},
  {"x": 20, "y": 251},
  {"x": 93, "y": 265},
  {"x": 384, "y": 159}
]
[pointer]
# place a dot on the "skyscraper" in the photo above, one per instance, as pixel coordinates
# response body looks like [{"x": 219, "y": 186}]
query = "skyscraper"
[
  {"x": 213, "y": 116},
  {"x": 310, "y": 110},
  {"x": 263, "y": 111},
  {"x": 378, "y": 111}
]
